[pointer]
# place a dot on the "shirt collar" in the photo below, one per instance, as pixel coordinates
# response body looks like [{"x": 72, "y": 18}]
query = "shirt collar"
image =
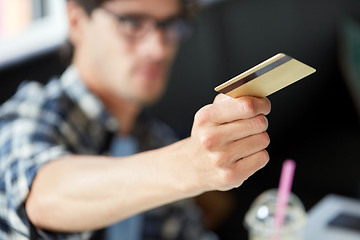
[{"x": 92, "y": 106}]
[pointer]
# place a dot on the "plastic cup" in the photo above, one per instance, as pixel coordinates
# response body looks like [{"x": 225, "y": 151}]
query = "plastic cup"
[{"x": 260, "y": 218}]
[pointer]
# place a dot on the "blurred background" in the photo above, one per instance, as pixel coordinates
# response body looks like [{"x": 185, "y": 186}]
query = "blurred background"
[{"x": 314, "y": 121}]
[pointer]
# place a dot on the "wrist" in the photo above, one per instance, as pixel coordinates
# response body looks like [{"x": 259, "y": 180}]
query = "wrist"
[{"x": 185, "y": 173}]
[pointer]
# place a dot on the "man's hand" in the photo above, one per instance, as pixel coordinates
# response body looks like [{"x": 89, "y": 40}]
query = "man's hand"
[{"x": 228, "y": 141}]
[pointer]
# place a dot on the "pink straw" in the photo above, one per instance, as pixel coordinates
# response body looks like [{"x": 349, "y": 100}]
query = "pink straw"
[{"x": 286, "y": 179}]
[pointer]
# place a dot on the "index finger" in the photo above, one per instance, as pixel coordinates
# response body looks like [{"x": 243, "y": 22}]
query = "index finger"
[{"x": 228, "y": 109}]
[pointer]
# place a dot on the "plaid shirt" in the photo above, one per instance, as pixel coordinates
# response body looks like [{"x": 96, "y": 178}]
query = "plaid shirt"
[{"x": 42, "y": 123}]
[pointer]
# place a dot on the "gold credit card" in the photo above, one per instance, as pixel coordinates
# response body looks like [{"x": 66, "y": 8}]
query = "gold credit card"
[{"x": 266, "y": 78}]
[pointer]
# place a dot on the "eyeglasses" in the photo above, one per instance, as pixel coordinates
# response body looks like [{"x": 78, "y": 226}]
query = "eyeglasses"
[{"x": 175, "y": 29}]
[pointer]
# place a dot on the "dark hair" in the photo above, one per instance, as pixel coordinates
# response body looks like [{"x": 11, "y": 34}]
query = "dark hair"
[
  {"x": 189, "y": 10},
  {"x": 189, "y": 7}
]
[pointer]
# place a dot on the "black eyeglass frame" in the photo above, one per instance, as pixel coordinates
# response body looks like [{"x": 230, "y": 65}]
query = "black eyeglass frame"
[{"x": 178, "y": 25}]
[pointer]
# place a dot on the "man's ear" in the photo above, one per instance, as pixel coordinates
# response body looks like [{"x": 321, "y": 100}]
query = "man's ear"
[{"x": 77, "y": 18}]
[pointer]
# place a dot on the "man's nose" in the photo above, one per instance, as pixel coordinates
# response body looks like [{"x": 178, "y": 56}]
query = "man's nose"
[{"x": 154, "y": 45}]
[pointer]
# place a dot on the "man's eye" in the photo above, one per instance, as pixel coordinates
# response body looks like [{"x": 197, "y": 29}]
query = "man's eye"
[
  {"x": 168, "y": 23},
  {"x": 132, "y": 22}
]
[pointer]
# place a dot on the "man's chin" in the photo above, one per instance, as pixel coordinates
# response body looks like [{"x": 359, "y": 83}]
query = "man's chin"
[
  {"x": 149, "y": 97},
  {"x": 145, "y": 100},
  {"x": 151, "y": 101}
]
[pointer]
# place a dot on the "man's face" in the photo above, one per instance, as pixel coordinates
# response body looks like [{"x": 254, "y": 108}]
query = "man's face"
[{"x": 121, "y": 62}]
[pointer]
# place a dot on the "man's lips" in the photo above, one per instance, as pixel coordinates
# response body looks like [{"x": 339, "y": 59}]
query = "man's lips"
[{"x": 152, "y": 72}]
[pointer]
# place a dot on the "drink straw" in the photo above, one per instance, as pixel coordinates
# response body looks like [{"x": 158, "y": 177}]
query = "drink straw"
[{"x": 284, "y": 190}]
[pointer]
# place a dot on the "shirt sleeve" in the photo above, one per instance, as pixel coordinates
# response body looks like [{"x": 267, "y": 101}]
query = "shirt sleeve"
[{"x": 26, "y": 145}]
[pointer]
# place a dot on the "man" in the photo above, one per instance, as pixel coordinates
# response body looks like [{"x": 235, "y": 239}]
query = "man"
[{"x": 56, "y": 182}]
